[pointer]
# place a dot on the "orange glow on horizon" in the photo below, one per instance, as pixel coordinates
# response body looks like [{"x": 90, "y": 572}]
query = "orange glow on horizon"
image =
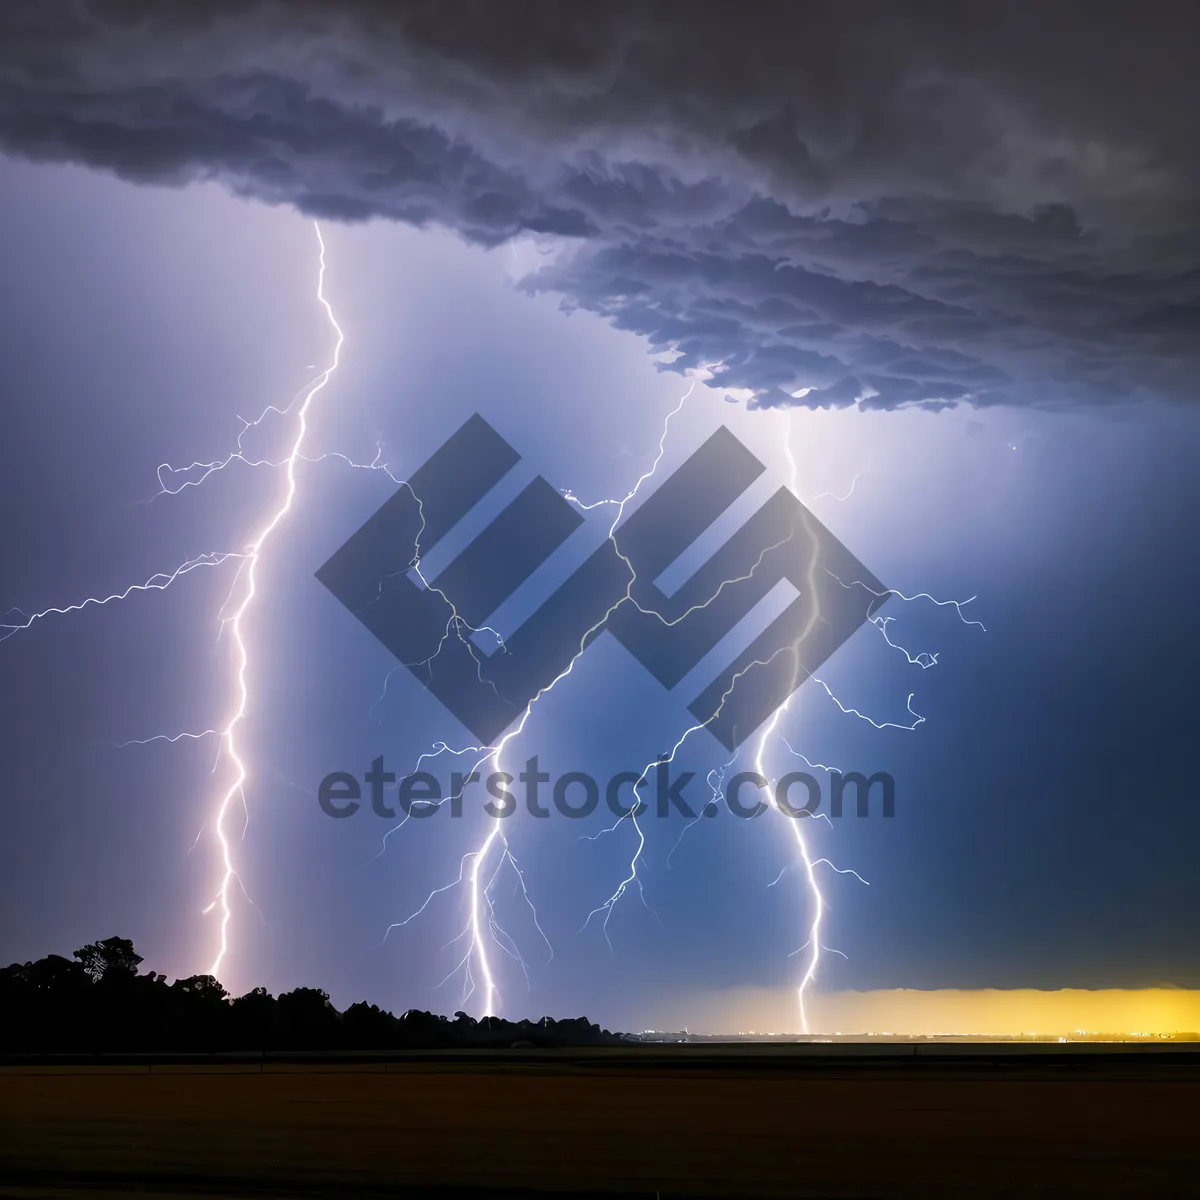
[{"x": 986, "y": 1012}]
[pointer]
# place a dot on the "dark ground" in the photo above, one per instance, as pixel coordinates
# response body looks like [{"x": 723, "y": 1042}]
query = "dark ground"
[{"x": 688, "y": 1121}]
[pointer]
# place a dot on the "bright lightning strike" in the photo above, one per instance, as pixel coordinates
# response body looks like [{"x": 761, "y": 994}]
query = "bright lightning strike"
[
  {"x": 247, "y": 579},
  {"x": 240, "y": 601},
  {"x": 813, "y": 944},
  {"x": 481, "y": 925},
  {"x": 810, "y": 866},
  {"x": 809, "y": 863}
]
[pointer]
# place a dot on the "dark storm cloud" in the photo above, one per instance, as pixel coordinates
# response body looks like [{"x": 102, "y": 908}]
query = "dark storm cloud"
[{"x": 881, "y": 205}]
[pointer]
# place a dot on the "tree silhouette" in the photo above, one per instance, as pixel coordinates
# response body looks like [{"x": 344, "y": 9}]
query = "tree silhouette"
[
  {"x": 110, "y": 959},
  {"x": 97, "y": 1002}
]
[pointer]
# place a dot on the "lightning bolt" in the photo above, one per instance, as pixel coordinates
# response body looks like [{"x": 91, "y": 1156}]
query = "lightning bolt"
[
  {"x": 247, "y": 578},
  {"x": 810, "y": 865},
  {"x": 806, "y": 861},
  {"x": 238, "y": 607},
  {"x": 481, "y": 924}
]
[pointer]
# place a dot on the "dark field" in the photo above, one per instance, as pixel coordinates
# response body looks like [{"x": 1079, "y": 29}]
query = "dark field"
[{"x": 692, "y": 1121}]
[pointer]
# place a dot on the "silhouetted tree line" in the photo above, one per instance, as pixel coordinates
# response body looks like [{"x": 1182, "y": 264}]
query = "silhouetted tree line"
[{"x": 97, "y": 1002}]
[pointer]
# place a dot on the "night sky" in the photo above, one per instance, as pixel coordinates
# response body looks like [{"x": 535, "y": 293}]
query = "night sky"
[{"x": 949, "y": 262}]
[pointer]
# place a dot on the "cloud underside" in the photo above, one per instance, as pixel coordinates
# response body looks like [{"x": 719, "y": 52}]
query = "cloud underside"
[{"x": 824, "y": 205}]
